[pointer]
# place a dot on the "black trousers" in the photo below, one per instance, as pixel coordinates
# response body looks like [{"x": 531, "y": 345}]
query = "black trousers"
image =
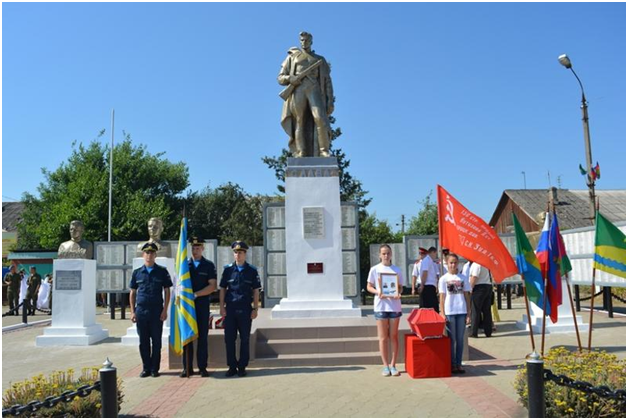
[
  {"x": 481, "y": 303},
  {"x": 238, "y": 321},
  {"x": 428, "y": 298},
  {"x": 202, "y": 320},
  {"x": 149, "y": 328}
]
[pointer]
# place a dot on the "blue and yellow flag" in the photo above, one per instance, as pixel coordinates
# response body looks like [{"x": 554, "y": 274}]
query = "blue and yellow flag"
[
  {"x": 529, "y": 267},
  {"x": 183, "y": 327},
  {"x": 610, "y": 247}
]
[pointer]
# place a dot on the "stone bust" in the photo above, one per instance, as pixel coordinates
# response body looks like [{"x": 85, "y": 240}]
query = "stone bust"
[
  {"x": 77, "y": 247},
  {"x": 155, "y": 229}
]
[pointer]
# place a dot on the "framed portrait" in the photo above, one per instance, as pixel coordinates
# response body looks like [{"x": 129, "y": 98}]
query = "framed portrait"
[{"x": 389, "y": 284}]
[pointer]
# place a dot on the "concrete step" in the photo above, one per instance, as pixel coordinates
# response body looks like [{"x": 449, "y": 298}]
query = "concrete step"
[
  {"x": 275, "y": 347},
  {"x": 320, "y": 359},
  {"x": 284, "y": 333}
]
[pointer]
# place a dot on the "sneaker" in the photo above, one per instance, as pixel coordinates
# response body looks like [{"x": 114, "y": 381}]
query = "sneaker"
[
  {"x": 386, "y": 371},
  {"x": 394, "y": 371}
]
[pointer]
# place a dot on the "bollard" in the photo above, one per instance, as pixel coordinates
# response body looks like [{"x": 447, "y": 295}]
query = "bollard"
[
  {"x": 112, "y": 305},
  {"x": 108, "y": 390},
  {"x": 24, "y": 312},
  {"x": 363, "y": 293},
  {"x": 536, "y": 386},
  {"x": 577, "y": 290}
]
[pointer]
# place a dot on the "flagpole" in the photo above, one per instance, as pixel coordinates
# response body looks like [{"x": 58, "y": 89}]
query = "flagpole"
[
  {"x": 573, "y": 312},
  {"x": 525, "y": 298},
  {"x": 544, "y": 316},
  {"x": 591, "y": 310}
]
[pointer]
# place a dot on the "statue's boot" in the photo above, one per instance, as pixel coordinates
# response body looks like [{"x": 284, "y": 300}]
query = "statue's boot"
[
  {"x": 323, "y": 141},
  {"x": 299, "y": 139}
]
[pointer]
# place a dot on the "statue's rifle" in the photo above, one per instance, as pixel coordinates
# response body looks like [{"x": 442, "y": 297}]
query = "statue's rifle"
[{"x": 285, "y": 94}]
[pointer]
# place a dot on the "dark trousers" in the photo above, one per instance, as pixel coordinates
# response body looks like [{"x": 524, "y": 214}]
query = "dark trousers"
[
  {"x": 237, "y": 321},
  {"x": 428, "y": 298},
  {"x": 202, "y": 320},
  {"x": 14, "y": 298},
  {"x": 149, "y": 328},
  {"x": 481, "y": 304},
  {"x": 31, "y": 301}
]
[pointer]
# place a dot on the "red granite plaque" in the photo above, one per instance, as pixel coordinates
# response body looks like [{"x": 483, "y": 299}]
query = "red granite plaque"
[{"x": 314, "y": 268}]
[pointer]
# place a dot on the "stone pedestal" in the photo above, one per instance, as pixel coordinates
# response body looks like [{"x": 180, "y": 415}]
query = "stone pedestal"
[
  {"x": 564, "y": 324},
  {"x": 131, "y": 338},
  {"x": 74, "y": 314},
  {"x": 313, "y": 242}
]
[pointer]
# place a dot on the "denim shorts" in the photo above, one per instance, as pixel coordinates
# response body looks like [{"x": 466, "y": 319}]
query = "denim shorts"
[{"x": 387, "y": 315}]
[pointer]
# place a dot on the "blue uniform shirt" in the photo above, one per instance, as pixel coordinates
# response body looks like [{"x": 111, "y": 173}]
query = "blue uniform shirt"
[
  {"x": 150, "y": 285},
  {"x": 240, "y": 285}
]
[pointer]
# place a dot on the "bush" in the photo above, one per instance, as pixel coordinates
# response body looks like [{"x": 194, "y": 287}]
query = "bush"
[
  {"x": 40, "y": 387},
  {"x": 597, "y": 368}
]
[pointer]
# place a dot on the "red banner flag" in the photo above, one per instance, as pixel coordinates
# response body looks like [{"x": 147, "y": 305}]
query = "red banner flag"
[{"x": 465, "y": 234}]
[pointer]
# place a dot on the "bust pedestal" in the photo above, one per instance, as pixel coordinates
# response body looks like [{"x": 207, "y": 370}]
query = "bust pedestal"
[
  {"x": 313, "y": 243},
  {"x": 74, "y": 312},
  {"x": 131, "y": 338}
]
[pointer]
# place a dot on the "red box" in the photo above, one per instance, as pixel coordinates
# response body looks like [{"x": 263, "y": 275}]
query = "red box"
[
  {"x": 426, "y": 323},
  {"x": 428, "y": 358}
]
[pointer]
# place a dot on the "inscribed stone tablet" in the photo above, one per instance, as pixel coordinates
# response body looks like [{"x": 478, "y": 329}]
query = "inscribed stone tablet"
[
  {"x": 131, "y": 250},
  {"x": 275, "y": 217},
  {"x": 374, "y": 254},
  {"x": 110, "y": 280},
  {"x": 347, "y": 215},
  {"x": 349, "y": 263},
  {"x": 68, "y": 279},
  {"x": 350, "y": 286},
  {"x": 255, "y": 256},
  {"x": 313, "y": 223},
  {"x": 276, "y": 239},
  {"x": 348, "y": 238},
  {"x": 276, "y": 264},
  {"x": 208, "y": 252},
  {"x": 277, "y": 287},
  {"x": 225, "y": 256},
  {"x": 110, "y": 254}
]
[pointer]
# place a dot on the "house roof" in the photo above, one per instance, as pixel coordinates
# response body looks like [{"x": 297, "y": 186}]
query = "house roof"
[
  {"x": 573, "y": 206},
  {"x": 11, "y": 215}
]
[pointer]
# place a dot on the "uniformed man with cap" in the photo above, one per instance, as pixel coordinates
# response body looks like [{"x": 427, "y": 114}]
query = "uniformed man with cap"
[
  {"x": 150, "y": 295},
  {"x": 33, "y": 283},
  {"x": 204, "y": 283},
  {"x": 239, "y": 288},
  {"x": 416, "y": 271},
  {"x": 13, "y": 280}
]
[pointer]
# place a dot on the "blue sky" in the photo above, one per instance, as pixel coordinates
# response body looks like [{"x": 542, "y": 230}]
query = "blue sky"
[{"x": 463, "y": 95}]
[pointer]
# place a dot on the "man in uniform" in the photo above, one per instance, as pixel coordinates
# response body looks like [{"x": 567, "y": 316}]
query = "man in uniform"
[
  {"x": 203, "y": 275},
  {"x": 429, "y": 281},
  {"x": 239, "y": 287},
  {"x": 34, "y": 282},
  {"x": 416, "y": 271},
  {"x": 13, "y": 280},
  {"x": 148, "y": 309}
]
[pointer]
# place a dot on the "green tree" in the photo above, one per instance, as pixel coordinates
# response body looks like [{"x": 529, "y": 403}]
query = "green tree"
[
  {"x": 426, "y": 221},
  {"x": 145, "y": 185}
]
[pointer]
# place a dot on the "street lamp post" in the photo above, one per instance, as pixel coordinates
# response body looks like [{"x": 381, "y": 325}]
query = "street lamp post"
[{"x": 564, "y": 60}]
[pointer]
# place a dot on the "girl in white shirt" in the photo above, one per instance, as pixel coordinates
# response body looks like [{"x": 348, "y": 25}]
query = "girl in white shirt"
[{"x": 387, "y": 309}]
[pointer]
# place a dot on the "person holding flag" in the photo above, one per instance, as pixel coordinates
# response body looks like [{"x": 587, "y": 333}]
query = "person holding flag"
[{"x": 147, "y": 285}]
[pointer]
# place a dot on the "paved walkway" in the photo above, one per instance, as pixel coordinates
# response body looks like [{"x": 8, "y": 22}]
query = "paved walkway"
[{"x": 351, "y": 391}]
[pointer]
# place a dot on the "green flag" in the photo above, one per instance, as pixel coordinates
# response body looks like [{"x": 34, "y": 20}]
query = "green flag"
[{"x": 610, "y": 247}]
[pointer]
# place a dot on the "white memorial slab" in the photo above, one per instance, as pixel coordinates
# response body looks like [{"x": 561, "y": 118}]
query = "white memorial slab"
[
  {"x": 313, "y": 236},
  {"x": 131, "y": 338},
  {"x": 74, "y": 314}
]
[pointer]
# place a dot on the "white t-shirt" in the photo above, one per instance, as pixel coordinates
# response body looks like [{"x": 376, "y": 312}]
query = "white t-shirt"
[
  {"x": 454, "y": 286},
  {"x": 386, "y": 304},
  {"x": 428, "y": 265},
  {"x": 416, "y": 271},
  {"x": 481, "y": 273},
  {"x": 466, "y": 268}
]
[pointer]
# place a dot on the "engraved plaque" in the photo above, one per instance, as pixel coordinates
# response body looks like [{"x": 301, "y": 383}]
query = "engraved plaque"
[
  {"x": 374, "y": 254},
  {"x": 275, "y": 217},
  {"x": 174, "y": 249},
  {"x": 276, "y": 263},
  {"x": 348, "y": 238},
  {"x": 68, "y": 279},
  {"x": 313, "y": 223},
  {"x": 277, "y": 287},
  {"x": 349, "y": 263},
  {"x": 350, "y": 284},
  {"x": 347, "y": 215},
  {"x": 315, "y": 268},
  {"x": 110, "y": 254},
  {"x": 255, "y": 256},
  {"x": 225, "y": 256},
  {"x": 130, "y": 253},
  {"x": 276, "y": 239},
  {"x": 398, "y": 255},
  {"x": 208, "y": 252},
  {"x": 110, "y": 280}
]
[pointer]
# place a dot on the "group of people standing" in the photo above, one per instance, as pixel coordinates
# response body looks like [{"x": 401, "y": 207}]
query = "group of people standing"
[
  {"x": 239, "y": 301},
  {"x": 461, "y": 296},
  {"x": 31, "y": 290}
]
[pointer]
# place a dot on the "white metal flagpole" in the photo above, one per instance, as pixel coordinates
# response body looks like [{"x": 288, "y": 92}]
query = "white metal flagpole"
[{"x": 110, "y": 174}]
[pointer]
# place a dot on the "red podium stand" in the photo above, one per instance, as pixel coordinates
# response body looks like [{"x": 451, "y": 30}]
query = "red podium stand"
[{"x": 428, "y": 358}]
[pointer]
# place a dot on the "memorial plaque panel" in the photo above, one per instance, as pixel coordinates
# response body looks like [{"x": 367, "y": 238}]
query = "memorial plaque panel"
[
  {"x": 349, "y": 263},
  {"x": 276, "y": 263},
  {"x": 347, "y": 215},
  {"x": 348, "y": 238},
  {"x": 110, "y": 280},
  {"x": 131, "y": 249},
  {"x": 313, "y": 223},
  {"x": 68, "y": 279},
  {"x": 208, "y": 253},
  {"x": 225, "y": 256},
  {"x": 277, "y": 287},
  {"x": 276, "y": 239},
  {"x": 256, "y": 257},
  {"x": 350, "y": 285},
  {"x": 110, "y": 254},
  {"x": 275, "y": 217}
]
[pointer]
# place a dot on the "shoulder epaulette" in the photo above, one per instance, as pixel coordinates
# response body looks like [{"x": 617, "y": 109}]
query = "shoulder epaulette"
[{"x": 228, "y": 265}]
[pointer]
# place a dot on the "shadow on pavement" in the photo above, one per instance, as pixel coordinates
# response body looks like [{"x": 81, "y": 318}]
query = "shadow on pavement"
[{"x": 288, "y": 371}]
